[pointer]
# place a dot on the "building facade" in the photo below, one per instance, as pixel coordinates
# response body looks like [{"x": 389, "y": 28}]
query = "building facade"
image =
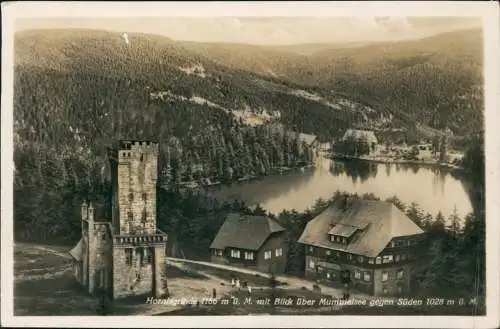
[
  {"x": 370, "y": 245},
  {"x": 254, "y": 242},
  {"x": 311, "y": 141},
  {"x": 125, "y": 256}
]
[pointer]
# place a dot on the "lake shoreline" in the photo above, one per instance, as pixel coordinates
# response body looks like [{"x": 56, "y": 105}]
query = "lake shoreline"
[
  {"x": 452, "y": 168},
  {"x": 248, "y": 179},
  {"x": 299, "y": 188}
]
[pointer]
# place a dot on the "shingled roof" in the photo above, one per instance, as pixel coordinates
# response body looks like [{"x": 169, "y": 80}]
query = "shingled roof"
[
  {"x": 372, "y": 225},
  {"x": 245, "y": 232}
]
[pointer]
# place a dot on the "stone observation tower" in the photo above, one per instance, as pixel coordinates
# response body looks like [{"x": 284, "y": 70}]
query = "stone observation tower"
[{"x": 125, "y": 256}]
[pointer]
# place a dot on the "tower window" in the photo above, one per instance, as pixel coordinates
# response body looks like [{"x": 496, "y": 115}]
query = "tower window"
[
  {"x": 144, "y": 196},
  {"x": 131, "y": 196},
  {"x": 144, "y": 216},
  {"x": 130, "y": 215},
  {"x": 150, "y": 255},
  {"x": 128, "y": 256},
  {"x": 143, "y": 254},
  {"x": 142, "y": 157}
]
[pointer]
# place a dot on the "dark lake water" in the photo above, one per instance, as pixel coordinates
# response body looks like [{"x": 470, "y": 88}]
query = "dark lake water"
[{"x": 433, "y": 189}]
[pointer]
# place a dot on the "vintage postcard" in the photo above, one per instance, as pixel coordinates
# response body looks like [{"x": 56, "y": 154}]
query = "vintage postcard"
[{"x": 250, "y": 164}]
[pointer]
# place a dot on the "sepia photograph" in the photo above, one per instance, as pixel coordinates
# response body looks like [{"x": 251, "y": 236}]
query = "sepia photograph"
[{"x": 252, "y": 162}]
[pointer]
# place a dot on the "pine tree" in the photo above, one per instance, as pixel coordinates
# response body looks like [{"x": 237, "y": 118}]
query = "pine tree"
[
  {"x": 415, "y": 214},
  {"x": 398, "y": 203},
  {"x": 454, "y": 226}
]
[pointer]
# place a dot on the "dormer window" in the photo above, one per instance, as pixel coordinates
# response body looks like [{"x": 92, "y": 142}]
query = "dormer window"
[
  {"x": 342, "y": 233},
  {"x": 339, "y": 239}
]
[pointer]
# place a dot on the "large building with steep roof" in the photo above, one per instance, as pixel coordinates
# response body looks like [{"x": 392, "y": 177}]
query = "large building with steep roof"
[
  {"x": 370, "y": 244},
  {"x": 256, "y": 242},
  {"x": 124, "y": 254}
]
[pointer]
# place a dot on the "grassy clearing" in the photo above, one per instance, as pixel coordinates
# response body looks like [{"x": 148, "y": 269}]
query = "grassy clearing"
[{"x": 44, "y": 285}]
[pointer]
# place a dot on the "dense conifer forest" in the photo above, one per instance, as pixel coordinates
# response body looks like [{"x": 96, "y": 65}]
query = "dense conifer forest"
[{"x": 75, "y": 92}]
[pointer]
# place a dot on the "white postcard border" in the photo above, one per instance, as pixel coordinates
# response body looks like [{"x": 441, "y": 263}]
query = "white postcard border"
[{"x": 487, "y": 10}]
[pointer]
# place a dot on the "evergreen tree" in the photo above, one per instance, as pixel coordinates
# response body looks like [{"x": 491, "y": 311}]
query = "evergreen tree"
[
  {"x": 454, "y": 226},
  {"x": 398, "y": 203},
  {"x": 415, "y": 214}
]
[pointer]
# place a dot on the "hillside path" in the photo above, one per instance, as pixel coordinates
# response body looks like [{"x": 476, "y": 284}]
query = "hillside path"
[{"x": 292, "y": 282}]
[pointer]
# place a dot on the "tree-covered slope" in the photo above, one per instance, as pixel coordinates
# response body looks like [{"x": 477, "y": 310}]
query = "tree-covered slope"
[{"x": 75, "y": 91}]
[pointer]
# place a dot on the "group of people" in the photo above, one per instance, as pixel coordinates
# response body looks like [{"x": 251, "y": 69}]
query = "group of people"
[{"x": 235, "y": 283}]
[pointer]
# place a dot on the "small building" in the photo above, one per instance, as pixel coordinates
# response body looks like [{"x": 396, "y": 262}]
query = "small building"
[
  {"x": 370, "y": 244},
  {"x": 359, "y": 135},
  {"x": 256, "y": 242},
  {"x": 311, "y": 141},
  {"x": 124, "y": 255}
]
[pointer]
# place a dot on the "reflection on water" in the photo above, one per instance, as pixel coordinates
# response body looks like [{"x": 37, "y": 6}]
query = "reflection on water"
[{"x": 433, "y": 189}]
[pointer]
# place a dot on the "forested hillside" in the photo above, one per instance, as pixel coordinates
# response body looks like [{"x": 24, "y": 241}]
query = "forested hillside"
[
  {"x": 435, "y": 81},
  {"x": 76, "y": 91}
]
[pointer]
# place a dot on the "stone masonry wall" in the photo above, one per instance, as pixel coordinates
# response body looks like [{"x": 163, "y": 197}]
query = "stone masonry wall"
[
  {"x": 139, "y": 278},
  {"x": 85, "y": 263},
  {"x": 137, "y": 176},
  {"x": 135, "y": 183},
  {"x": 100, "y": 256},
  {"x": 160, "y": 271},
  {"x": 131, "y": 279}
]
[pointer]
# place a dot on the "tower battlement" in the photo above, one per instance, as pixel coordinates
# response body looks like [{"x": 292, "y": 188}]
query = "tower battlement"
[
  {"x": 127, "y": 150},
  {"x": 135, "y": 144}
]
